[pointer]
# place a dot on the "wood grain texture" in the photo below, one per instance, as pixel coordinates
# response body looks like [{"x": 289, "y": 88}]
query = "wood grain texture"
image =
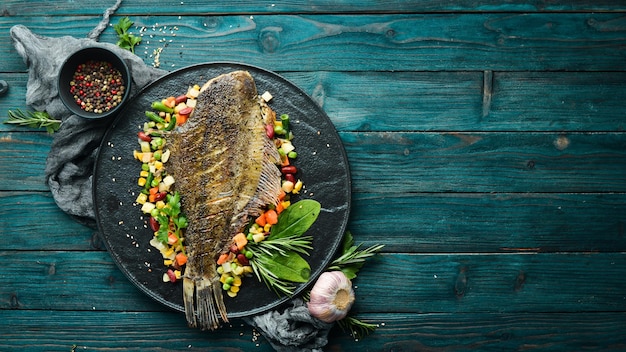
[
  {"x": 107, "y": 331},
  {"x": 416, "y": 223},
  {"x": 486, "y": 162},
  {"x": 446, "y": 101},
  {"x": 430, "y": 162},
  {"x": 169, "y": 7},
  {"x": 451, "y": 282},
  {"x": 420, "y": 42}
]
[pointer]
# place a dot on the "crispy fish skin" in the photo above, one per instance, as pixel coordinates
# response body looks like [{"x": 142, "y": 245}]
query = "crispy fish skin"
[{"x": 225, "y": 170}]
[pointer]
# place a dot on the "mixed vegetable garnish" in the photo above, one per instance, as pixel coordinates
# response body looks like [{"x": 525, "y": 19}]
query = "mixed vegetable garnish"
[{"x": 252, "y": 251}]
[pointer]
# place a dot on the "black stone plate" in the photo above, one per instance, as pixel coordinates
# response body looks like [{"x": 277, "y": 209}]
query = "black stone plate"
[{"x": 323, "y": 169}]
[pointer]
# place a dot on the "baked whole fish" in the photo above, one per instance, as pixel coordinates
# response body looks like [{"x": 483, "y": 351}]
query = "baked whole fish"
[{"x": 225, "y": 169}]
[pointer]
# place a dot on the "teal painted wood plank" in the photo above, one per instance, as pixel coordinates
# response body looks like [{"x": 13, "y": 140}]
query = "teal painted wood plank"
[
  {"x": 169, "y": 7},
  {"x": 486, "y": 162},
  {"x": 69, "y": 281},
  {"x": 420, "y": 162},
  {"x": 419, "y": 223},
  {"x": 104, "y": 331},
  {"x": 446, "y": 101},
  {"x": 22, "y": 161},
  {"x": 496, "y": 283},
  {"x": 33, "y": 221},
  {"x": 435, "y": 42},
  {"x": 484, "y": 223}
]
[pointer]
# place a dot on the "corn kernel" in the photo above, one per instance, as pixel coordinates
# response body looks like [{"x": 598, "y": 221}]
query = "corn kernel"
[
  {"x": 297, "y": 187},
  {"x": 160, "y": 204},
  {"x": 237, "y": 281},
  {"x": 144, "y": 173},
  {"x": 178, "y": 274},
  {"x": 267, "y": 227},
  {"x": 141, "y": 198},
  {"x": 168, "y": 262},
  {"x": 137, "y": 155},
  {"x": 141, "y": 181},
  {"x": 231, "y": 294},
  {"x": 224, "y": 277},
  {"x": 158, "y": 165},
  {"x": 285, "y": 204},
  {"x": 234, "y": 289}
]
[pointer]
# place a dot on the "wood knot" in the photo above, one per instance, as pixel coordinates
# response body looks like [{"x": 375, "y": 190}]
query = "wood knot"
[
  {"x": 460, "y": 285},
  {"x": 14, "y": 303},
  {"x": 519, "y": 281},
  {"x": 95, "y": 241},
  {"x": 530, "y": 164},
  {"x": 270, "y": 39},
  {"x": 562, "y": 142}
]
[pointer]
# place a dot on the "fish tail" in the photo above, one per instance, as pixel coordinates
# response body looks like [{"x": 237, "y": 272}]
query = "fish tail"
[{"x": 204, "y": 303}]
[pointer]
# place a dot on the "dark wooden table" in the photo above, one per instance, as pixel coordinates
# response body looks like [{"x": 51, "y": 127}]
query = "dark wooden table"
[{"x": 487, "y": 150}]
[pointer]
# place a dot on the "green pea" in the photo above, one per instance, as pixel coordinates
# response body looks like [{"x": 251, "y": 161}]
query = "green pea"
[
  {"x": 154, "y": 212},
  {"x": 230, "y": 280},
  {"x": 249, "y": 254},
  {"x": 145, "y": 167},
  {"x": 279, "y": 130},
  {"x": 226, "y": 287},
  {"x": 292, "y": 155}
]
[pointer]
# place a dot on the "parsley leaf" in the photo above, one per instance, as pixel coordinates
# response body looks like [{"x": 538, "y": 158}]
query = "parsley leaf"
[{"x": 126, "y": 40}]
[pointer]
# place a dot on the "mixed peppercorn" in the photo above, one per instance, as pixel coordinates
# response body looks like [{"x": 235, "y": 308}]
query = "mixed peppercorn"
[{"x": 97, "y": 86}]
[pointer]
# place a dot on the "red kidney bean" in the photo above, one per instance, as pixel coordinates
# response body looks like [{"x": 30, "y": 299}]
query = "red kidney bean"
[
  {"x": 171, "y": 275},
  {"x": 242, "y": 259},
  {"x": 154, "y": 224},
  {"x": 289, "y": 169},
  {"x": 144, "y": 137},
  {"x": 185, "y": 111},
  {"x": 160, "y": 196},
  {"x": 180, "y": 99},
  {"x": 290, "y": 177},
  {"x": 234, "y": 249}
]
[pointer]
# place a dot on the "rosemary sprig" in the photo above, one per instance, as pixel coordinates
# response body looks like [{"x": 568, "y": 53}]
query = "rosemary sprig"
[
  {"x": 355, "y": 327},
  {"x": 352, "y": 259},
  {"x": 35, "y": 119},
  {"x": 295, "y": 243}
]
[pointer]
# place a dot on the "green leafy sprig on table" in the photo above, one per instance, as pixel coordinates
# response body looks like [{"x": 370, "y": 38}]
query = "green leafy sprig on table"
[
  {"x": 350, "y": 262},
  {"x": 126, "y": 40},
  {"x": 35, "y": 119},
  {"x": 278, "y": 260}
]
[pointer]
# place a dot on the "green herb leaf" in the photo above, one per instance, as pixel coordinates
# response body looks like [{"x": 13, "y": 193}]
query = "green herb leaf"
[
  {"x": 296, "y": 219},
  {"x": 352, "y": 259},
  {"x": 126, "y": 40},
  {"x": 34, "y": 119},
  {"x": 291, "y": 266}
]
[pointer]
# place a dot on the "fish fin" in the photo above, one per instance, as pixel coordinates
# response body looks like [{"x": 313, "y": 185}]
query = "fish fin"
[{"x": 204, "y": 303}]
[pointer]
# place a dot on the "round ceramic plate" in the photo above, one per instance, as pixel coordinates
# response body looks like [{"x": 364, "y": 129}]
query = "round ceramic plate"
[{"x": 323, "y": 169}]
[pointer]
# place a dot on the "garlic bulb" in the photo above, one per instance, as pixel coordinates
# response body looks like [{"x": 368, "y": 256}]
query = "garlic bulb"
[{"x": 331, "y": 297}]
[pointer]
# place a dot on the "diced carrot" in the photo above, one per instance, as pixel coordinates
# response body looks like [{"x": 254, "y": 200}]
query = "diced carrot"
[
  {"x": 284, "y": 161},
  {"x": 240, "y": 240},
  {"x": 271, "y": 217},
  {"x": 222, "y": 259},
  {"x": 279, "y": 207},
  {"x": 172, "y": 238},
  {"x": 181, "y": 119},
  {"x": 181, "y": 259},
  {"x": 154, "y": 190},
  {"x": 170, "y": 102},
  {"x": 282, "y": 195},
  {"x": 261, "y": 221},
  {"x": 152, "y": 198}
]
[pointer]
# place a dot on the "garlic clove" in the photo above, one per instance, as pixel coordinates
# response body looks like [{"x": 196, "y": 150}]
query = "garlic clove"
[{"x": 331, "y": 297}]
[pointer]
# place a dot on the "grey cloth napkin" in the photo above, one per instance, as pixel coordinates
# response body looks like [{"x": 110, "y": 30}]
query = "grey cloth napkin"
[{"x": 69, "y": 166}]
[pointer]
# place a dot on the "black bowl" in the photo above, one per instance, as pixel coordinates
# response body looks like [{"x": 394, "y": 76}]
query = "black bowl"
[{"x": 82, "y": 56}]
